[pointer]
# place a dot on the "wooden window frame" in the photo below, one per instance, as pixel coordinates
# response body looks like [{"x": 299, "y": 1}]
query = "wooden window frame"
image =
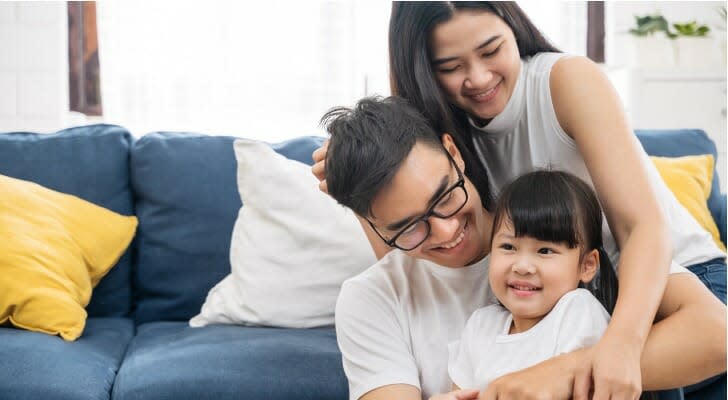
[{"x": 83, "y": 59}]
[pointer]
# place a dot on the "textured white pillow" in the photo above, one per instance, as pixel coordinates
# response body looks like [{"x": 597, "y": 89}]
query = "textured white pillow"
[{"x": 291, "y": 249}]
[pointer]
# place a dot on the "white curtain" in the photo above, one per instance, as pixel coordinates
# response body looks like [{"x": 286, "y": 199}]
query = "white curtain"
[{"x": 266, "y": 70}]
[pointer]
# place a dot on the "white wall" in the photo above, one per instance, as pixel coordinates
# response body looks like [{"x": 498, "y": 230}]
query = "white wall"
[
  {"x": 670, "y": 92},
  {"x": 33, "y": 66},
  {"x": 620, "y": 15}
]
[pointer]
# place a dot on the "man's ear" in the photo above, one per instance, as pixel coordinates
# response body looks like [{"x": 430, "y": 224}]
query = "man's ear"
[
  {"x": 589, "y": 266},
  {"x": 449, "y": 143}
]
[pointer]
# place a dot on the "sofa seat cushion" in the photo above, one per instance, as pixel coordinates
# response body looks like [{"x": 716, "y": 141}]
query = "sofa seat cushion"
[
  {"x": 170, "y": 360},
  {"x": 39, "y": 366},
  {"x": 90, "y": 162}
]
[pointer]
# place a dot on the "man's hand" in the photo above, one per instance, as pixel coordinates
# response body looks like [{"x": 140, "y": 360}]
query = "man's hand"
[{"x": 461, "y": 394}]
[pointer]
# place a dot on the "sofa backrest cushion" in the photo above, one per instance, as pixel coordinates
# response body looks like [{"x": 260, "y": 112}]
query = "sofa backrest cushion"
[
  {"x": 685, "y": 142},
  {"x": 187, "y": 202},
  {"x": 91, "y": 162}
]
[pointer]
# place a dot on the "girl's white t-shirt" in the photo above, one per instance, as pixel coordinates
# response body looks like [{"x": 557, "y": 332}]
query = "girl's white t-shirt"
[
  {"x": 527, "y": 135},
  {"x": 487, "y": 351},
  {"x": 394, "y": 321}
]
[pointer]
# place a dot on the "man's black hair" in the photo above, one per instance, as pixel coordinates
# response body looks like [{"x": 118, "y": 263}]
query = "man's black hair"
[{"x": 370, "y": 142}]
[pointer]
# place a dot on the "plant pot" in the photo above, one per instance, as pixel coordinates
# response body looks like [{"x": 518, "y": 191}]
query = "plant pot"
[
  {"x": 652, "y": 52},
  {"x": 697, "y": 52}
]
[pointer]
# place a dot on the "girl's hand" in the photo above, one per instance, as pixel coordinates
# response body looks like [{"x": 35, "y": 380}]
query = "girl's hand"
[
  {"x": 614, "y": 369},
  {"x": 319, "y": 166},
  {"x": 461, "y": 394}
]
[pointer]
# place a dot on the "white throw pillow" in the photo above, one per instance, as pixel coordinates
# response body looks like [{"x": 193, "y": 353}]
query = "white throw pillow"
[{"x": 292, "y": 247}]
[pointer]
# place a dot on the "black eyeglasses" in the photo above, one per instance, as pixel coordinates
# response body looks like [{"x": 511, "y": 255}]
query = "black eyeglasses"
[{"x": 447, "y": 204}]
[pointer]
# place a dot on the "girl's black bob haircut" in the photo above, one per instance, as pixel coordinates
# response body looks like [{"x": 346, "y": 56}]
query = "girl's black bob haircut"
[{"x": 556, "y": 206}]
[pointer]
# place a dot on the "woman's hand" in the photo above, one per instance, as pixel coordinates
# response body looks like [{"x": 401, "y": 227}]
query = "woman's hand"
[
  {"x": 319, "y": 166},
  {"x": 613, "y": 368},
  {"x": 551, "y": 379},
  {"x": 460, "y": 394}
]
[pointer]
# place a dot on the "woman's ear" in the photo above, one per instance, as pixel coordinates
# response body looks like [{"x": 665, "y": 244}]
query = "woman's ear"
[
  {"x": 449, "y": 144},
  {"x": 589, "y": 266}
]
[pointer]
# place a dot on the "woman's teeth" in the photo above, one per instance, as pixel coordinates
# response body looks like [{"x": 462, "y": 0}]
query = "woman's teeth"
[{"x": 486, "y": 93}]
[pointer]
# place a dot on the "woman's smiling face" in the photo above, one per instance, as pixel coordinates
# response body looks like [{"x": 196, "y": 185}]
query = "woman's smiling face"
[{"x": 476, "y": 62}]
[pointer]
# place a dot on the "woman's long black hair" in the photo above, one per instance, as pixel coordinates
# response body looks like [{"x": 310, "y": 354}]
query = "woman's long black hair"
[{"x": 556, "y": 206}]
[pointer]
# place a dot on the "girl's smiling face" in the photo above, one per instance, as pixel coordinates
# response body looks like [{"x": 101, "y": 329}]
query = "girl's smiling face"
[
  {"x": 476, "y": 62},
  {"x": 529, "y": 276}
]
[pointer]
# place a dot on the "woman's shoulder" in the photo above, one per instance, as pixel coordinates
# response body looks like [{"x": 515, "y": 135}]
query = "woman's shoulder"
[{"x": 542, "y": 63}]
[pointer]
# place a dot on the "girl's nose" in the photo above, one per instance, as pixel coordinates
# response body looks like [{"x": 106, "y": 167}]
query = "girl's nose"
[{"x": 523, "y": 266}]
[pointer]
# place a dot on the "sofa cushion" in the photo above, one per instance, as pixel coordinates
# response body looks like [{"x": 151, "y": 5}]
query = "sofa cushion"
[
  {"x": 684, "y": 142},
  {"x": 291, "y": 249},
  {"x": 187, "y": 202},
  {"x": 38, "y": 366},
  {"x": 91, "y": 162},
  {"x": 169, "y": 360},
  {"x": 55, "y": 249},
  {"x": 689, "y": 178}
]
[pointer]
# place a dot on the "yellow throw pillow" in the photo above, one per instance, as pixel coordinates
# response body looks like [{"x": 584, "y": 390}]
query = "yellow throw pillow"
[
  {"x": 54, "y": 249},
  {"x": 690, "y": 178}
]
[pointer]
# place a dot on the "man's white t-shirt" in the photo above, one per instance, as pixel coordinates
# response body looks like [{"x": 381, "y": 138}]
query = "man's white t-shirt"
[
  {"x": 487, "y": 351},
  {"x": 394, "y": 321}
]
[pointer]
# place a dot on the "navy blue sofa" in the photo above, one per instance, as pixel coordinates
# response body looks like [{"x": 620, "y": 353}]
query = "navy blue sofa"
[{"x": 137, "y": 344}]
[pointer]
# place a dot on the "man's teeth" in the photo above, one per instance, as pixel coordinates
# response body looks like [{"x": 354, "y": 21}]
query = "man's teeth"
[{"x": 455, "y": 242}]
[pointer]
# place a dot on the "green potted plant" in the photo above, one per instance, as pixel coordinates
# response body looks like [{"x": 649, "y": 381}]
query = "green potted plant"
[
  {"x": 652, "y": 46},
  {"x": 694, "y": 47}
]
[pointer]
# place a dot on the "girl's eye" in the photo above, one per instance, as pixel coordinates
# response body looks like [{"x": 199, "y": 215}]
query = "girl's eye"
[
  {"x": 545, "y": 250},
  {"x": 506, "y": 246}
]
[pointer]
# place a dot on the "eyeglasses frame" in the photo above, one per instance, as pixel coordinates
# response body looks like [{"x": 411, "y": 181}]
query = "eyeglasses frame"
[{"x": 429, "y": 213}]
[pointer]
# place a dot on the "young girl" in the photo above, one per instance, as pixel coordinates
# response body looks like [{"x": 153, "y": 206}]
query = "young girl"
[{"x": 550, "y": 274}]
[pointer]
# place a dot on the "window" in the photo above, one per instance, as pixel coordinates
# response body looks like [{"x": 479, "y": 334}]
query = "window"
[{"x": 263, "y": 70}]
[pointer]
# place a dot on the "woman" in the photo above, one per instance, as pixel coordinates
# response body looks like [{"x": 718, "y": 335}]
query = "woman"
[{"x": 484, "y": 73}]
